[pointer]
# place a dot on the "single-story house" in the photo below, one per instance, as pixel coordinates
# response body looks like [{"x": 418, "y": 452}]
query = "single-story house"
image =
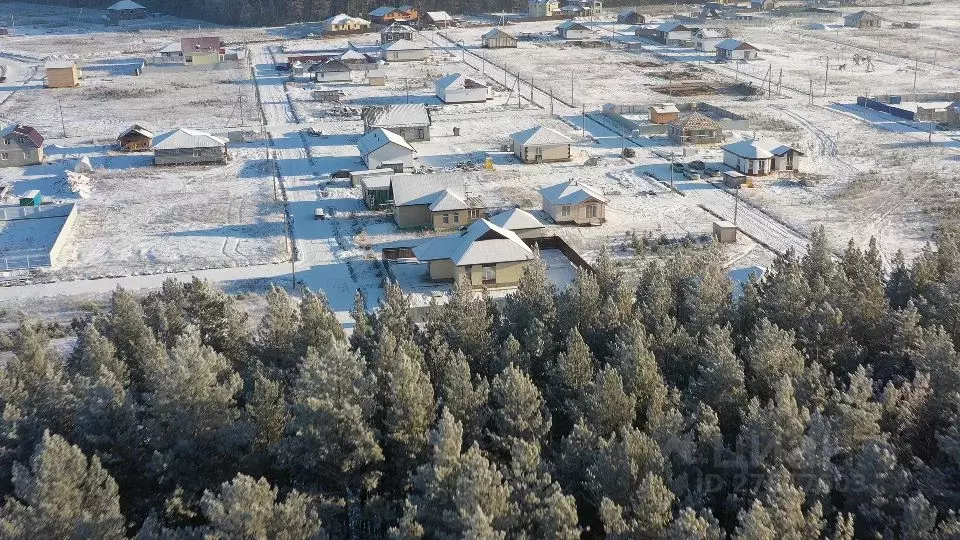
[
  {"x": 126, "y": 10},
  {"x": 498, "y": 39},
  {"x": 663, "y": 113},
  {"x": 359, "y": 60},
  {"x": 539, "y": 9},
  {"x": 573, "y": 202},
  {"x": 135, "y": 138},
  {"x": 673, "y": 33},
  {"x": 706, "y": 39},
  {"x": 695, "y": 128},
  {"x": 409, "y": 120},
  {"x": 573, "y": 30},
  {"x": 630, "y": 16},
  {"x": 396, "y": 32},
  {"x": 862, "y": 19},
  {"x": 345, "y": 23},
  {"x": 484, "y": 255},
  {"x": 436, "y": 201},
  {"x": 189, "y": 147},
  {"x": 734, "y": 49},
  {"x": 440, "y": 19},
  {"x": 404, "y": 51},
  {"x": 332, "y": 70},
  {"x": 541, "y": 145},
  {"x": 761, "y": 156},
  {"x": 387, "y": 14},
  {"x": 62, "y": 74},
  {"x": 385, "y": 149},
  {"x": 376, "y": 191},
  {"x": 202, "y": 50},
  {"x": 20, "y": 145},
  {"x": 521, "y": 222},
  {"x": 572, "y": 10},
  {"x": 458, "y": 88}
]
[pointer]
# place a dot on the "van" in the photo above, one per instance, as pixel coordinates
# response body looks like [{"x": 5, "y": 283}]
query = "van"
[{"x": 319, "y": 214}]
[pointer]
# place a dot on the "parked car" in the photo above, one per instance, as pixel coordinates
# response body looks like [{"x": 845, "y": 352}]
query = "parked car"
[
  {"x": 679, "y": 167},
  {"x": 283, "y": 67},
  {"x": 697, "y": 165},
  {"x": 342, "y": 173},
  {"x": 314, "y": 132},
  {"x": 319, "y": 214}
]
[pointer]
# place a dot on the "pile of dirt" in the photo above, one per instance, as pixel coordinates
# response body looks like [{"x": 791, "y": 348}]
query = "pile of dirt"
[
  {"x": 644, "y": 64},
  {"x": 688, "y": 74},
  {"x": 687, "y": 89}
]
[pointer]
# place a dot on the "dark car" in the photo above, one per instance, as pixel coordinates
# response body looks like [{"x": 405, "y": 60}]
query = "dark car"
[
  {"x": 283, "y": 67},
  {"x": 342, "y": 173}
]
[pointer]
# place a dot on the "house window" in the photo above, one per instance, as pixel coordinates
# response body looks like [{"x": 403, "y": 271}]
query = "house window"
[
  {"x": 591, "y": 211},
  {"x": 21, "y": 140},
  {"x": 4, "y": 155},
  {"x": 456, "y": 217},
  {"x": 26, "y": 155},
  {"x": 474, "y": 213},
  {"x": 565, "y": 211},
  {"x": 420, "y": 133},
  {"x": 489, "y": 273},
  {"x": 446, "y": 218},
  {"x": 197, "y": 152}
]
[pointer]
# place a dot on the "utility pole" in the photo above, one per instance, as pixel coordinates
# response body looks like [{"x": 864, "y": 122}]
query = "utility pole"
[
  {"x": 583, "y": 120},
  {"x": 519, "y": 93},
  {"x": 811, "y": 90},
  {"x": 571, "y": 89},
  {"x": 671, "y": 169},
  {"x": 826, "y": 76},
  {"x": 916, "y": 68},
  {"x": 736, "y": 204},
  {"x": 531, "y": 91},
  {"x": 551, "y": 101},
  {"x": 63, "y": 126}
]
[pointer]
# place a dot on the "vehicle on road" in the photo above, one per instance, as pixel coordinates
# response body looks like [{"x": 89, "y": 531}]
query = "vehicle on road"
[{"x": 319, "y": 214}]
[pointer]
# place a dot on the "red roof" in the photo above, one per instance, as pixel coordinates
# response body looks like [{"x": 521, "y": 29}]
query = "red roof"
[
  {"x": 30, "y": 133},
  {"x": 190, "y": 45}
]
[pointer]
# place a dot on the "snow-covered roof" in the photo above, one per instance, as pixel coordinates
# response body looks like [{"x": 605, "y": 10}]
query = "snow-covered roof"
[
  {"x": 571, "y": 192},
  {"x": 482, "y": 243},
  {"x": 403, "y": 45},
  {"x": 172, "y": 48},
  {"x": 402, "y": 115},
  {"x": 343, "y": 18},
  {"x": 353, "y": 54},
  {"x": 439, "y": 16},
  {"x": 448, "y": 200},
  {"x": 382, "y": 11},
  {"x": 695, "y": 121},
  {"x": 758, "y": 148},
  {"x": 670, "y": 26},
  {"x": 664, "y": 108},
  {"x": 713, "y": 33},
  {"x": 571, "y": 25},
  {"x": 496, "y": 32},
  {"x": 187, "y": 138},
  {"x": 516, "y": 219},
  {"x": 398, "y": 27},
  {"x": 540, "y": 136},
  {"x": 26, "y": 131},
  {"x": 125, "y": 4},
  {"x": 379, "y": 138},
  {"x": 458, "y": 80},
  {"x": 60, "y": 64},
  {"x": 138, "y": 129},
  {"x": 426, "y": 189},
  {"x": 734, "y": 45},
  {"x": 860, "y": 16},
  {"x": 572, "y": 9}
]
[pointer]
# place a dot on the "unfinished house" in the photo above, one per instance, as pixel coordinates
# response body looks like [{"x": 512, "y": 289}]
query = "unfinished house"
[
  {"x": 433, "y": 201},
  {"x": 498, "y": 39},
  {"x": 382, "y": 149},
  {"x": 409, "y": 120},
  {"x": 344, "y": 24},
  {"x": 862, "y": 19},
  {"x": 695, "y": 128},
  {"x": 459, "y": 88},
  {"x": 576, "y": 203},
  {"x": 484, "y": 255},
  {"x": 541, "y": 145},
  {"x": 135, "y": 139},
  {"x": 20, "y": 146},
  {"x": 125, "y": 10},
  {"x": 757, "y": 157},
  {"x": 62, "y": 74},
  {"x": 189, "y": 147}
]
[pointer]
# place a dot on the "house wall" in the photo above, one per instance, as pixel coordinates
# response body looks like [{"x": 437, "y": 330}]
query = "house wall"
[
  {"x": 442, "y": 270},
  {"x": 376, "y": 199},
  {"x": 455, "y": 219},
  {"x": 499, "y": 43},
  {"x": 543, "y": 9},
  {"x": 748, "y": 166},
  {"x": 576, "y": 34},
  {"x": 190, "y": 156},
  {"x": 406, "y": 56},
  {"x": 695, "y": 136},
  {"x": 18, "y": 155},
  {"x": 389, "y": 153},
  {"x": 508, "y": 274},
  {"x": 413, "y": 216},
  {"x": 409, "y": 133},
  {"x": 578, "y": 212},
  {"x": 331, "y": 76},
  {"x": 63, "y": 77},
  {"x": 463, "y": 95},
  {"x": 117, "y": 15},
  {"x": 528, "y": 154},
  {"x": 707, "y": 44},
  {"x": 135, "y": 142},
  {"x": 203, "y": 59},
  {"x": 663, "y": 118}
]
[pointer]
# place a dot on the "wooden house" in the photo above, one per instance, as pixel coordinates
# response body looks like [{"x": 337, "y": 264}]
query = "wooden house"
[
  {"x": 189, "y": 147},
  {"x": 484, "y": 255},
  {"x": 125, "y": 10},
  {"x": 573, "y": 202},
  {"x": 20, "y": 145},
  {"x": 135, "y": 138},
  {"x": 202, "y": 50},
  {"x": 695, "y": 128},
  {"x": 376, "y": 191},
  {"x": 62, "y": 74},
  {"x": 541, "y": 145},
  {"x": 498, "y": 39}
]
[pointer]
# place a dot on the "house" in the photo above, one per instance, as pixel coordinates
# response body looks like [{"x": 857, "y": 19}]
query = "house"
[
  {"x": 440, "y": 19},
  {"x": 540, "y": 145},
  {"x": 189, "y": 147},
  {"x": 484, "y": 255},
  {"x": 673, "y": 33},
  {"x": 585, "y": 7},
  {"x": 572, "y": 10},
  {"x": 734, "y": 49},
  {"x": 630, "y": 16},
  {"x": 343, "y": 23},
  {"x": 862, "y": 19},
  {"x": 498, "y": 39},
  {"x": 126, "y": 10},
  {"x": 387, "y": 15},
  {"x": 357, "y": 60},
  {"x": 332, "y": 70},
  {"x": 202, "y": 50},
  {"x": 695, "y": 128},
  {"x": 135, "y": 138},
  {"x": 404, "y": 51},
  {"x": 409, "y": 120},
  {"x": 376, "y": 191},
  {"x": 62, "y": 74},
  {"x": 521, "y": 222},
  {"x": 458, "y": 88},
  {"x": 573, "y": 202},
  {"x": 761, "y": 156},
  {"x": 573, "y": 30},
  {"x": 20, "y": 145},
  {"x": 437, "y": 201},
  {"x": 407, "y": 13},
  {"x": 396, "y": 32},
  {"x": 953, "y": 115},
  {"x": 706, "y": 39},
  {"x": 385, "y": 149},
  {"x": 539, "y": 9},
  {"x": 762, "y": 5},
  {"x": 663, "y": 113}
]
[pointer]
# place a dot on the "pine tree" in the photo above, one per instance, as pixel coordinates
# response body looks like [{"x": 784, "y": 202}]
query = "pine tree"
[
  {"x": 93, "y": 352},
  {"x": 248, "y": 508},
  {"x": 319, "y": 327},
  {"x": 919, "y": 519},
  {"x": 393, "y": 315},
  {"x": 622, "y": 464},
  {"x": 544, "y": 510},
  {"x": 688, "y": 525},
  {"x": 878, "y": 486},
  {"x": 773, "y": 434},
  {"x": 779, "y": 512},
  {"x": 408, "y": 412},
  {"x": 278, "y": 334},
  {"x": 266, "y": 414},
  {"x": 719, "y": 381},
  {"x": 605, "y": 406},
  {"x": 518, "y": 411},
  {"x": 361, "y": 337},
  {"x": 572, "y": 374},
  {"x": 856, "y": 414},
  {"x": 466, "y": 400},
  {"x": 647, "y": 516},
  {"x": 61, "y": 494},
  {"x": 769, "y": 357},
  {"x": 466, "y": 326},
  {"x": 531, "y": 312},
  {"x": 637, "y": 366}
]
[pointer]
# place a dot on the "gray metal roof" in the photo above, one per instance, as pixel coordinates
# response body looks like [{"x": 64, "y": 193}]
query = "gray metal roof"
[
  {"x": 516, "y": 219},
  {"x": 482, "y": 243},
  {"x": 403, "y": 45},
  {"x": 395, "y": 116},
  {"x": 458, "y": 80},
  {"x": 541, "y": 136},
  {"x": 571, "y": 192},
  {"x": 670, "y": 26},
  {"x": 734, "y": 45},
  {"x": 125, "y": 4},
  {"x": 425, "y": 189},
  {"x": 379, "y": 138},
  {"x": 758, "y": 148},
  {"x": 187, "y": 138},
  {"x": 496, "y": 32}
]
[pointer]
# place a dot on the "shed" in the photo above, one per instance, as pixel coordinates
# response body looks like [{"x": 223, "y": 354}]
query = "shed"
[
  {"x": 31, "y": 198},
  {"x": 135, "y": 138},
  {"x": 62, "y": 74},
  {"x": 459, "y": 88},
  {"x": 126, "y": 10},
  {"x": 663, "y": 113},
  {"x": 734, "y": 179},
  {"x": 573, "y": 202},
  {"x": 695, "y": 128},
  {"x": 484, "y": 255},
  {"x": 521, "y": 222},
  {"x": 630, "y": 16},
  {"x": 735, "y": 49},
  {"x": 376, "y": 191},
  {"x": 381, "y": 149},
  {"x": 440, "y": 19},
  {"x": 185, "y": 146},
  {"x": 725, "y": 232},
  {"x": 862, "y": 19},
  {"x": 573, "y": 30},
  {"x": 356, "y": 177},
  {"x": 498, "y": 39},
  {"x": 541, "y": 145},
  {"x": 409, "y": 120},
  {"x": 404, "y": 51}
]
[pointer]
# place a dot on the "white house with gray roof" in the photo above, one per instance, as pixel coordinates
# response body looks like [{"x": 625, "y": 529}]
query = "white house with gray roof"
[
  {"x": 761, "y": 156},
  {"x": 459, "y": 88},
  {"x": 574, "y": 202},
  {"x": 189, "y": 147},
  {"x": 541, "y": 145},
  {"x": 484, "y": 255},
  {"x": 404, "y": 51},
  {"x": 385, "y": 149}
]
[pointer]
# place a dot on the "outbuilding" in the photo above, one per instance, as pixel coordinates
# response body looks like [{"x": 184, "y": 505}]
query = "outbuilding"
[
  {"x": 498, "y": 39},
  {"x": 189, "y": 147},
  {"x": 673, "y": 33},
  {"x": 541, "y": 145},
  {"x": 409, "y": 120},
  {"x": 573, "y": 202},
  {"x": 126, "y": 10},
  {"x": 761, "y": 156},
  {"x": 135, "y": 138},
  {"x": 573, "y": 30},
  {"x": 20, "y": 145},
  {"x": 62, "y": 74},
  {"x": 863, "y": 19},
  {"x": 384, "y": 149},
  {"x": 376, "y": 191},
  {"x": 725, "y": 232},
  {"x": 695, "y": 128},
  {"x": 439, "y": 19},
  {"x": 484, "y": 255},
  {"x": 663, "y": 113},
  {"x": 458, "y": 88},
  {"x": 404, "y": 51},
  {"x": 735, "y": 49}
]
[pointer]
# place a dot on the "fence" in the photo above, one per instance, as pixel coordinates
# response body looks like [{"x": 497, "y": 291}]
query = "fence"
[
  {"x": 35, "y": 258},
  {"x": 883, "y": 107}
]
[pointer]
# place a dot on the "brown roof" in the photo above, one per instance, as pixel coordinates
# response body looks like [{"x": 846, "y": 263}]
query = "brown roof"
[
  {"x": 695, "y": 121},
  {"x": 190, "y": 45},
  {"x": 29, "y": 133}
]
